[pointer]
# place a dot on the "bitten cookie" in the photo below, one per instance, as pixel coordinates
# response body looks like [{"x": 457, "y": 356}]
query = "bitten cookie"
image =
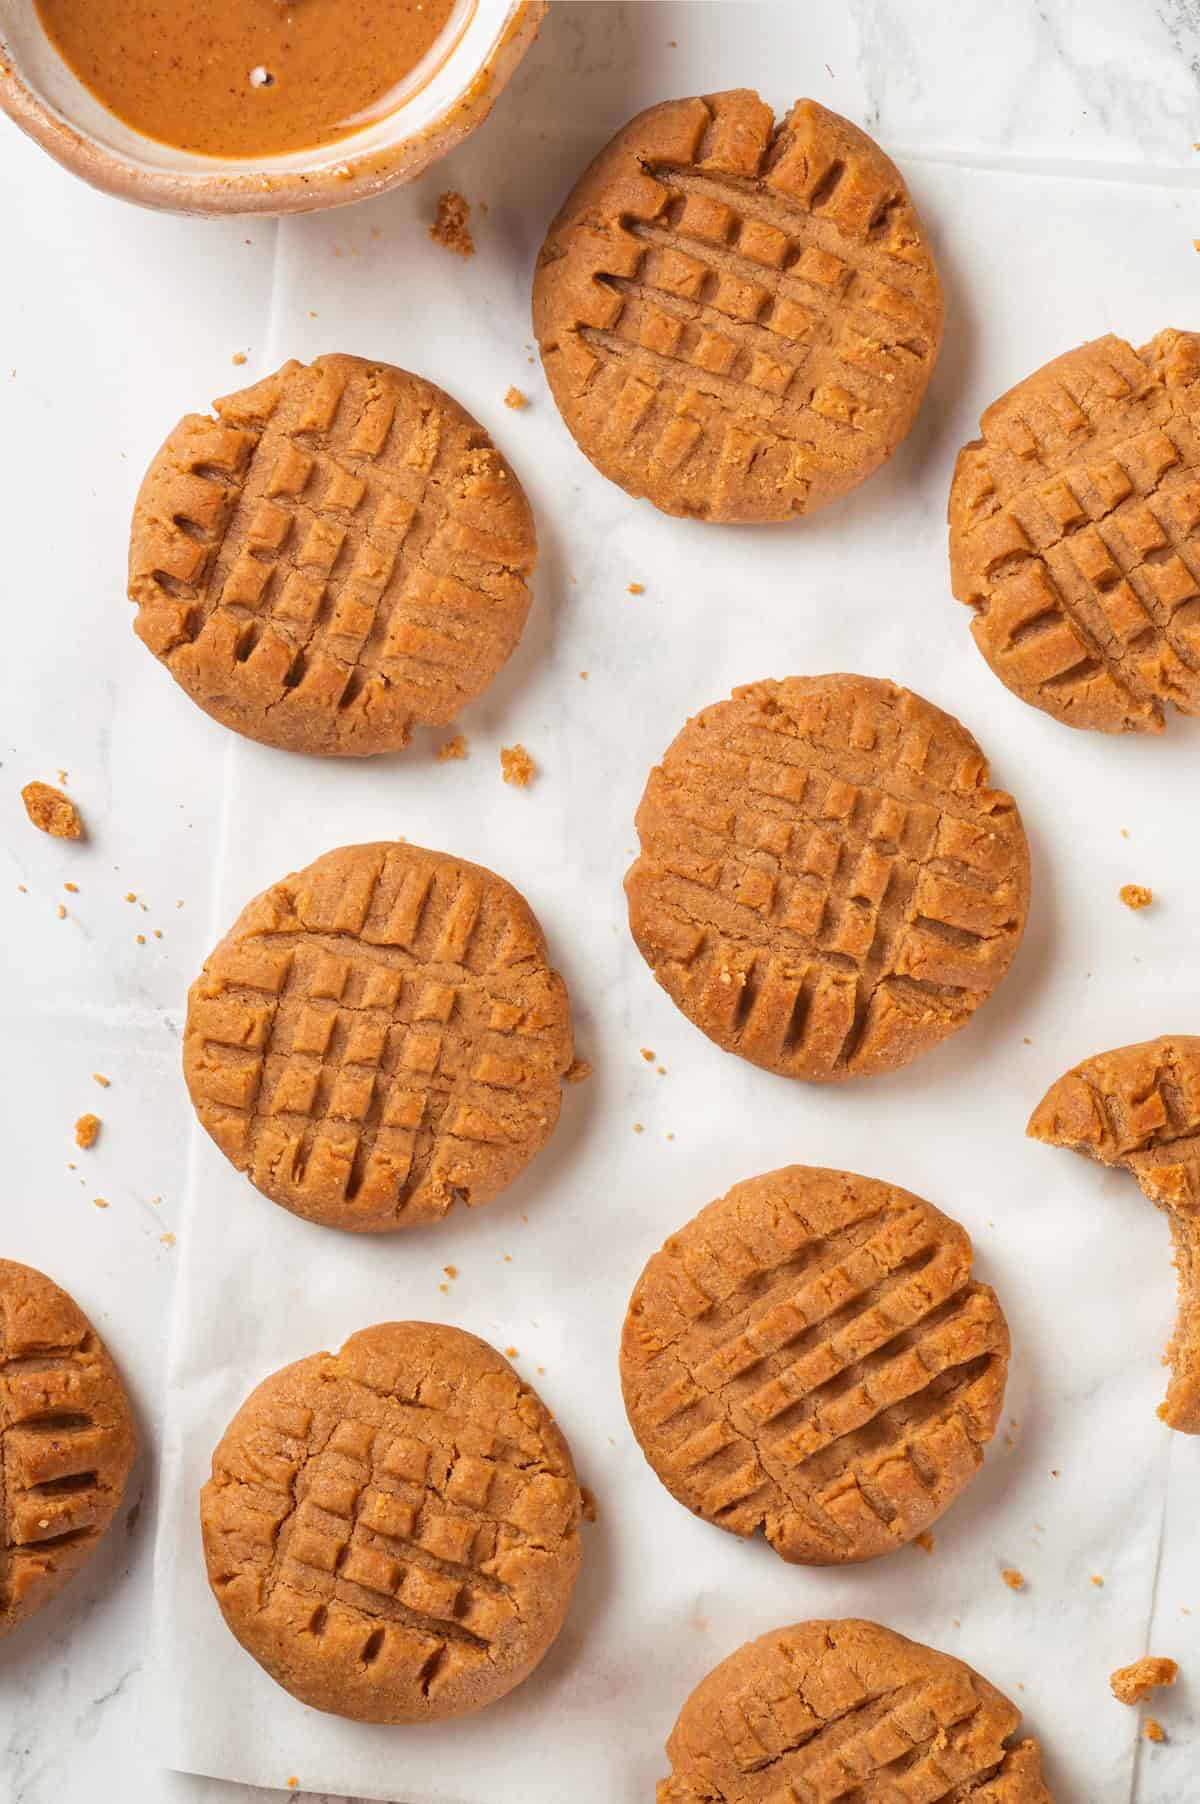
[
  {"x": 67, "y": 1441},
  {"x": 1075, "y": 534},
  {"x": 392, "y": 1531},
  {"x": 1139, "y": 1106},
  {"x": 738, "y": 317},
  {"x": 810, "y": 1356},
  {"x": 341, "y": 552},
  {"x": 833, "y": 1710},
  {"x": 379, "y": 1035},
  {"x": 827, "y": 884}
]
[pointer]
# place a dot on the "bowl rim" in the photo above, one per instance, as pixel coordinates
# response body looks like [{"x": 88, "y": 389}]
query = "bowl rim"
[{"x": 342, "y": 176}]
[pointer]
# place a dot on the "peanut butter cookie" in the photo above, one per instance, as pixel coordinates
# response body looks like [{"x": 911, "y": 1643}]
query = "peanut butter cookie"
[
  {"x": 378, "y": 1035},
  {"x": 827, "y": 884},
  {"x": 810, "y": 1356},
  {"x": 738, "y": 317},
  {"x": 1139, "y": 1107},
  {"x": 341, "y": 552},
  {"x": 67, "y": 1441},
  {"x": 848, "y": 1710},
  {"x": 392, "y": 1531},
  {"x": 1075, "y": 534}
]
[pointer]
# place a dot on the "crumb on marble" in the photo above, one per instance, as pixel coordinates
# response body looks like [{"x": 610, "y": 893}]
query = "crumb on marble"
[
  {"x": 578, "y": 1071},
  {"x": 86, "y": 1130},
  {"x": 591, "y": 1512},
  {"x": 516, "y": 399},
  {"x": 1136, "y": 895},
  {"x": 1130, "y": 1684},
  {"x": 516, "y": 766},
  {"x": 637, "y": 589},
  {"x": 511, "y": 1353},
  {"x": 647, "y": 1054},
  {"x": 924, "y": 1541},
  {"x": 1154, "y": 1730},
  {"x": 452, "y": 226},
  {"x": 101, "y": 1079},
  {"x": 638, "y": 1128},
  {"x": 1013, "y": 1579},
  {"x": 51, "y": 811},
  {"x": 100, "y": 1202},
  {"x": 167, "y": 1239},
  {"x": 239, "y": 357},
  {"x": 1097, "y": 1581}
]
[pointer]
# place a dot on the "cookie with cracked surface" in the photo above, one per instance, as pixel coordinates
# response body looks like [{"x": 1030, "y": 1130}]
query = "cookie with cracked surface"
[
  {"x": 1075, "y": 534},
  {"x": 738, "y": 316},
  {"x": 810, "y": 1357},
  {"x": 378, "y": 1036},
  {"x": 841, "y": 1709},
  {"x": 392, "y": 1531},
  {"x": 1139, "y": 1106},
  {"x": 827, "y": 885},
  {"x": 340, "y": 552},
  {"x": 67, "y": 1441}
]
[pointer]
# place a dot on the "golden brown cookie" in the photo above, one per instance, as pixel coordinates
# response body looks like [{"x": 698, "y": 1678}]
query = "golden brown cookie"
[
  {"x": 810, "y": 1356},
  {"x": 378, "y": 1036},
  {"x": 827, "y": 884},
  {"x": 67, "y": 1441},
  {"x": 848, "y": 1710},
  {"x": 1139, "y": 1107},
  {"x": 392, "y": 1531},
  {"x": 341, "y": 552},
  {"x": 738, "y": 317},
  {"x": 1075, "y": 534}
]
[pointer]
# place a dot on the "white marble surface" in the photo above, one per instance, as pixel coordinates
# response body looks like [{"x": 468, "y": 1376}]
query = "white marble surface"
[{"x": 96, "y": 294}]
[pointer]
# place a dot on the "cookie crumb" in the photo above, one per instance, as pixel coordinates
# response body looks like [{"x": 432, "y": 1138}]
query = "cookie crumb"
[
  {"x": 445, "y": 1289},
  {"x": 1154, "y": 1730},
  {"x": 72, "y": 887},
  {"x": 452, "y": 748},
  {"x": 168, "y": 1240},
  {"x": 239, "y": 357},
  {"x": 516, "y": 765},
  {"x": 1136, "y": 895},
  {"x": 131, "y": 895},
  {"x": 516, "y": 400},
  {"x": 52, "y": 812},
  {"x": 578, "y": 1071},
  {"x": 637, "y": 589},
  {"x": 101, "y": 1079},
  {"x": 141, "y": 939},
  {"x": 1013, "y": 1579},
  {"x": 452, "y": 227},
  {"x": 1054, "y": 1472},
  {"x": 583, "y": 676},
  {"x": 1130, "y": 1684},
  {"x": 100, "y": 1202},
  {"x": 924, "y": 1541},
  {"x": 61, "y": 912},
  {"x": 86, "y": 1130},
  {"x": 511, "y": 1353},
  {"x": 451, "y": 1271},
  {"x": 1097, "y": 1581},
  {"x": 590, "y": 1512},
  {"x": 647, "y": 1055}
]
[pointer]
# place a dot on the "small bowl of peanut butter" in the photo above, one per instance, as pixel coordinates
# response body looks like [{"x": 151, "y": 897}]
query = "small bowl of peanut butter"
[{"x": 255, "y": 106}]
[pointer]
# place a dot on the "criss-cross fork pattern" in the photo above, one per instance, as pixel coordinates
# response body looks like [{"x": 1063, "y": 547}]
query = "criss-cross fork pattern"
[
  {"x": 1075, "y": 534},
  {"x": 811, "y": 1721},
  {"x": 386, "y": 1046},
  {"x": 810, "y": 1357},
  {"x": 341, "y": 543},
  {"x": 820, "y": 870},
  {"x": 764, "y": 295},
  {"x": 56, "y": 1449}
]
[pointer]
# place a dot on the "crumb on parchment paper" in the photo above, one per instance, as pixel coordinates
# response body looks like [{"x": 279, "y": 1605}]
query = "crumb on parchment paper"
[
  {"x": 578, "y": 1071},
  {"x": 516, "y": 766},
  {"x": 516, "y": 400},
  {"x": 1136, "y": 895},
  {"x": 452, "y": 748},
  {"x": 86, "y": 1130},
  {"x": 1013, "y": 1579},
  {"x": 51, "y": 811},
  {"x": 1130, "y": 1684},
  {"x": 452, "y": 227}
]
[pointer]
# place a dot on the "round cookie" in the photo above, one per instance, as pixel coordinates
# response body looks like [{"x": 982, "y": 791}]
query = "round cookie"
[
  {"x": 848, "y": 1710},
  {"x": 379, "y": 1035},
  {"x": 738, "y": 317},
  {"x": 1075, "y": 534},
  {"x": 827, "y": 885},
  {"x": 67, "y": 1441},
  {"x": 810, "y": 1357},
  {"x": 392, "y": 1531},
  {"x": 341, "y": 552}
]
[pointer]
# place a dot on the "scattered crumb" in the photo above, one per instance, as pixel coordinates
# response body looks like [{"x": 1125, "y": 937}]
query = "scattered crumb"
[
  {"x": 637, "y": 588},
  {"x": 51, "y": 811},
  {"x": 661, "y": 1069},
  {"x": 578, "y": 1071},
  {"x": 638, "y": 1128},
  {"x": 511, "y": 1353},
  {"x": 1124, "y": 832},
  {"x": 924, "y": 1541},
  {"x": 1028, "y": 1041},
  {"x": 541, "y": 1371},
  {"x": 168, "y": 1240},
  {"x": 1154, "y": 1730},
  {"x": 452, "y": 748},
  {"x": 86, "y": 1130},
  {"x": 590, "y": 1511},
  {"x": 516, "y": 764},
  {"x": 100, "y": 1202},
  {"x": 73, "y": 887},
  {"x": 101, "y": 1079},
  {"x": 1097, "y": 1581},
  {"x": 515, "y": 399},
  {"x": 670, "y": 1136},
  {"x": 141, "y": 939},
  {"x": 158, "y": 933},
  {"x": 1013, "y": 1579},
  {"x": 1136, "y": 895},
  {"x": 583, "y": 676},
  {"x": 445, "y": 1289},
  {"x": 1195, "y": 247},
  {"x": 1130, "y": 1684},
  {"x": 1054, "y": 1472},
  {"x": 131, "y": 895},
  {"x": 647, "y": 1055},
  {"x": 239, "y": 357},
  {"x": 156, "y": 1200},
  {"x": 62, "y": 777},
  {"x": 452, "y": 227},
  {"x": 22, "y": 889},
  {"x": 508, "y": 1261},
  {"x": 62, "y": 913},
  {"x": 451, "y": 1271}
]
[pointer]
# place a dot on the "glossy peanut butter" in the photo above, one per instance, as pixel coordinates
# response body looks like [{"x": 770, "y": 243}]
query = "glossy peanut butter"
[{"x": 244, "y": 78}]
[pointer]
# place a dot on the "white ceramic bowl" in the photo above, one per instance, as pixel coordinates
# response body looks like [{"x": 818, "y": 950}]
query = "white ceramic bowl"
[{"x": 482, "y": 44}]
